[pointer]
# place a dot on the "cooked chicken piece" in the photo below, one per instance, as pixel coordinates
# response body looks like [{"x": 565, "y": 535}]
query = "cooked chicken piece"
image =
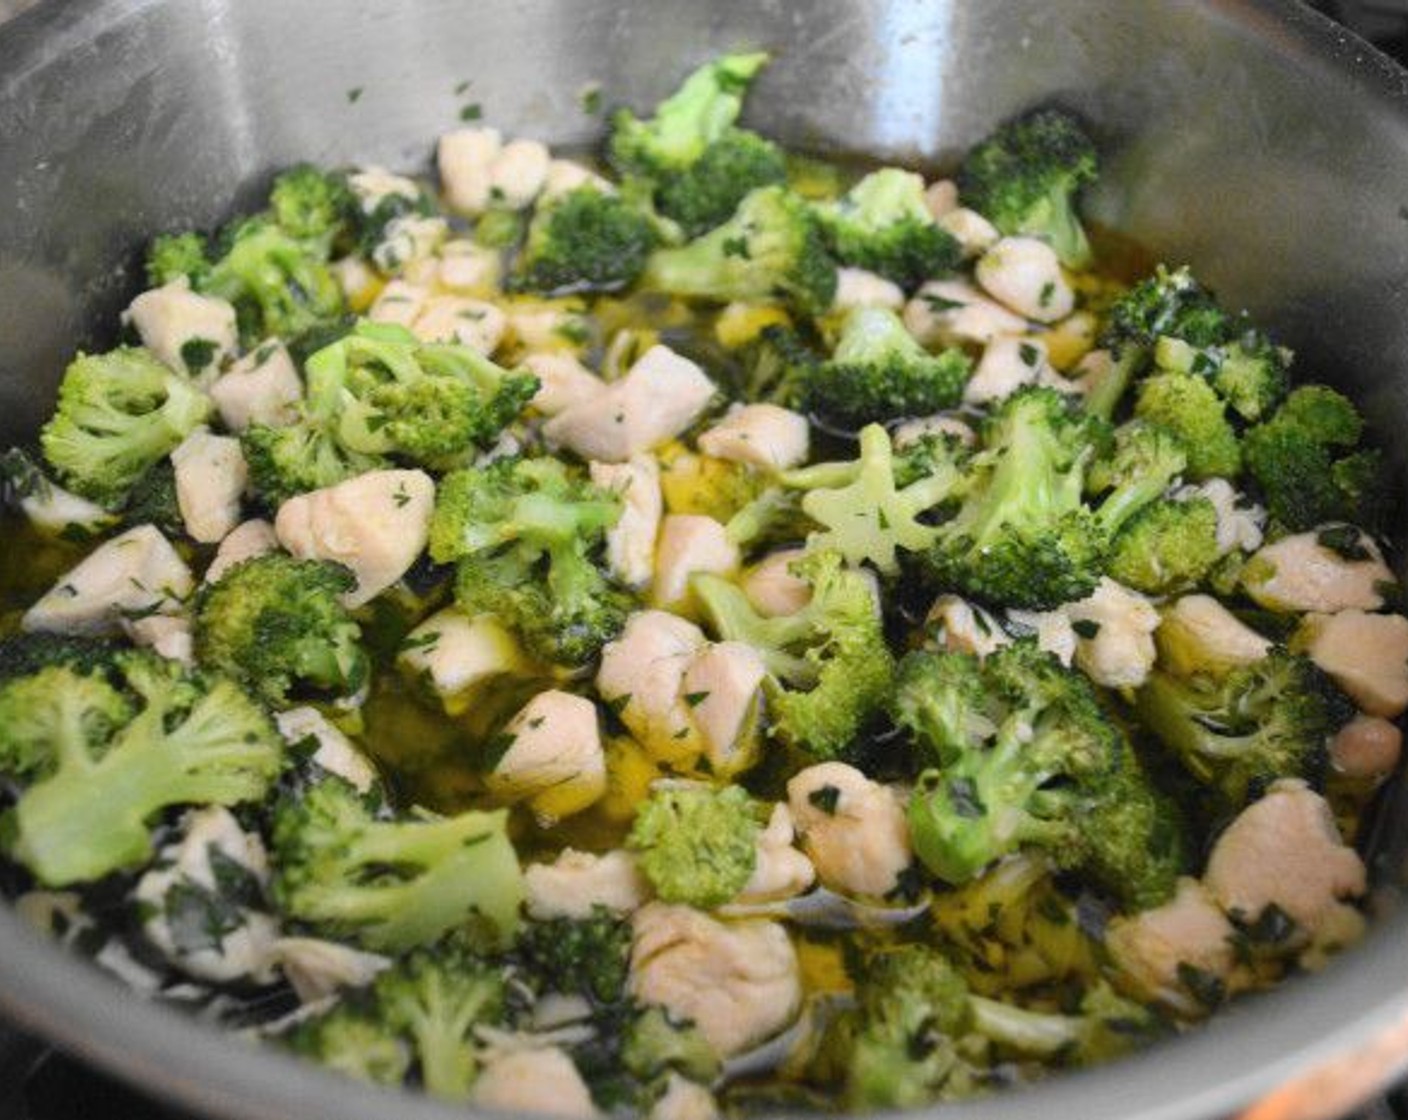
[
  {"x": 168, "y": 635},
  {"x": 317, "y": 969},
  {"x": 1114, "y": 629},
  {"x": 468, "y": 268},
  {"x": 721, "y": 688},
  {"x": 565, "y": 381},
  {"x": 1199, "y": 634},
  {"x": 539, "y": 1081},
  {"x": 518, "y": 173},
  {"x": 408, "y": 244},
  {"x": 941, "y": 197},
  {"x": 470, "y": 322},
  {"x": 263, "y": 387},
  {"x": 466, "y": 159},
  {"x": 1008, "y": 363},
  {"x": 1298, "y": 573},
  {"x": 631, "y": 542},
  {"x": 456, "y": 656},
  {"x": 855, "y": 287},
  {"x": 974, "y": 233},
  {"x": 191, "y": 333},
  {"x": 1366, "y": 654},
  {"x": 1025, "y": 275},
  {"x": 954, "y": 313},
  {"x": 1240, "y": 521},
  {"x": 641, "y": 677},
  {"x": 1367, "y": 748},
  {"x": 334, "y": 752},
  {"x": 564, "y": 175},
  {"x": 940, "y": 424},
  {"x": 689, "y": 544},
  {"x": 554, "y": 760},
  {"x": 574, "y": 883},
  {"x": 761, "y": 435},
  {"x": 781, "y": 871},
  {"x": 684, "y": 1100},
  {"x": 255, "y": 537},
  {"x": 771, "y": 587},
  {"x": 399, "y": 303},
  {"x": 854, "y": 830},
  {"x": 211, "y": 477},
  {"x": 961, "y": 627}
]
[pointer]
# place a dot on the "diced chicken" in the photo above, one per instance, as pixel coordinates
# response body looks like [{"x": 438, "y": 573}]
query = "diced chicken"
[
  {"x": 854, "y": 830},
  {"x": 941, "y": 197},
  {"x": 169, "y": 635},
  {"x": 1366, "y": 655},
  {"x": 781, "y": 871},
  {"x": 358, "y": 280},
  {"x": 334, "y": 753},
  {"x": 575, "y": 883},
  {"x": 1158, "y": 951},
  {"x": 468, "y": 268},
  {"x": 761, "y": 435},
  {"x": 1366, "y": 749},
  {"x": 1008, "y": 363},
  {"x": 689, "y": 544},
  {"x": 376, "y": 524},
  {"x": 199, "y": 866},
  {"x": 564, "y": 175},
  {"x": 456, "y": 656},
  {"x": 1024, "y": 274},
  {"x": 135, "y": 573},
  {"x": 400, "y": 302},
  {"x": 1298, "y": 573},
  {"x": 470, "y": 322},
  {"x": 974, "y": 233},
  {"x": 549, "y": 324},
  {"x": 211, "y": 477},
  {"x": 538, "y": 1081},
  {"x": 855, "y": 287},
  {"x": 191, "y": 333},
  {"x": 954, "y": 313},
  {"x": 466, "y": 159},
  {"x": 659, "y": 397},
  {"x": 373, "y": 185},
  {"x": 961, "y": 627},
  {"x": 721, "y": 687},
  {"x": 408, "y": 240},
  {"x": 684, "y": 1100},
  {"x": 771, "y": 587},
  {"x": 518, "y": 173},
  {"x": 554, "y": 761},
  {"x": 52, "y": 510},
  {"x": 263, "y": 387},
  {"x": 1199, "y": 634},
  {"x": 1240, "y": 521},
  {"x": 940, "y": 424},
  {"x": 317, "y": 969},
  {"x": 255, "y": 537},
  {"x": 631, "y": 542},
  {"x": 565, "y": 381},
  {"x": 738, "y": 982},
  {"x": 1052, "y": 630},
  {"x": 1115, "y": 635},
  {"x": 641, "y": 677}
]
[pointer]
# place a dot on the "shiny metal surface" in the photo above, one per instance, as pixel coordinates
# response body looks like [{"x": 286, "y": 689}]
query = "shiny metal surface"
[{"x": 1249, "y": 137}]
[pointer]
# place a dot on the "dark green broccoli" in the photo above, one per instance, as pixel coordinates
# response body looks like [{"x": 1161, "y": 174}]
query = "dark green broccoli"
[
  {"x": 583, "y": 241},
  {"x": 313, "y": 205},
  {"x": 23, "y": 654},
  {"x": 704, "y": 194},
  {"x": 777, "y": 364},
  {"x": 771, "y": 249},
  {"x": 1025, "y": 177},
  {"x": 1187, "y": 405},
  {"x": 1022, "y": 536},
  {"x": 102, "y": 750},
  {"x": 526, "y": 534},
  {"x": 118, "y": 415},
  {"x": 153, "y": 501},
  {"x": 1307, "y": 462},
  {"x": 173, "y": 255},
  {"x": 1238, "y": 733},
  {"x": 879, "y": 372},
  {"x": 1024, "y": 757},
  {"x": 578, "y": 956},
  {"x": 277, "y": 624},
  {"x": 287, "y": 461},
  {"x": 829, "y": 669},
  {"x": 883, "y": 225},
  {"x": 391, "y": 884},
  {"x": 349, "y": 1039},
  {"x": 696, "y": 845},
  {"x": 1168, "y": 547}
]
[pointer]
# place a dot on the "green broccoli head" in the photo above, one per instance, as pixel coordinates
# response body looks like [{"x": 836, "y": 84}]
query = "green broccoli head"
[
  {"x": 883, "y": 225},
  {"x": 313, "y": 205},
  {"x": 1169, "y": 304},
  {"x": 578, "y": 956},
  {"x": 1022, "y": 536},
  {"x": 1188, "y": 407},
  {"x": 1024, "y": 178},
  {"x": 654, "y": 1044},
  {"x": 1136, "y": 471},
  {"x": 1306, "y": 462},
  {"x": 118, "y": 415},
  {"x": 879, "y": 372},
  {"x": 696, "y": 845},
  {"x": 830, "y": 671},
  {"x": 287, "y": 461},
  {"x": 703, "y": 195},
  {"x": 583, "y": 241},
  {"x": 153, "y": 501},
  {"x": 350, "y": 1040},
  {"x": 1248, "y": 370},
  {"x": 278, "y": 624},
  {"x": 174, "y": 255},
  {"x": 1168, "y": 547},
  {"x": 776, "y": 366},
  {"x": 771, "y": 249},
  {"x": 56, "y": 712},
  {"x": 391, "y": 885}
]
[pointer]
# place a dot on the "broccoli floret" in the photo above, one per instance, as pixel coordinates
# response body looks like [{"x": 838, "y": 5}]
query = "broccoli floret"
[
  {"x": 1186, "y": 405},
  {"x": 653, "y": 1044},
  {"x": 1249, "y": 371},
  {"x": 173, "y": 255},
  {"x": 118, "y": 414},
  {"x": 349, "y": 1039},
  {"x": 697, "y": 115},
  {"x": 879, "y": 372},
  {"x": 23, "y": 654},
  {"x": 578, "y": 956},
  {"x": 1168, "y": 547},
  {"x": 278, "y": 284},
  {"x": 777, "y": 364},
  {"x": 153, "y": 501},
  {"x": 313, "y": 205},
  {"x": 287, "y": 461},
  {"x": 1239, "y": 732},
  {"x": 829, "y": 669},
  {"x": 884, "y": 225},
  {"x": 1022, "y": 536},
  {"x": 1304, "y": 461},
  {"x": 1139, "y": 467},
  {"x": 526, "y": 534},
  {"x": 100, "y": 777},
  {"x": 391, "y": 885},
  {"x": 1024, "y": 757},
  {"x": 704, "y": 194},
  {"x": 696, "y": 845},
  {"x": 583, "y": 241},
  {"x": 770, "y": 249},
  {"x": 277, "y": 624},
  {"x": 1025, "y": 177}
]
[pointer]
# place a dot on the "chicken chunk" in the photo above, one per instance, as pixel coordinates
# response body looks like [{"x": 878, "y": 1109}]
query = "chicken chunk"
[
  {"x": 518, "y": 173},
  {"x": 55, "y": 512},
  {"x": 376, "y": 524},
  {"x": 954, "y": 313},
  {"x": 538, "y": 1081},
  {"x": 135, "y": 573},
  {"x": 738, "y": 982},
  {"x": 211, "y": 477},
  {"x": 1284, "y": 851},
  {"x": 468, "y": 268},
  {"x": 1008, "y": 363},
  {"x": 373, "y": 185},
  {"x": 575, "y": 883},
  {"x": 961, "y": 627},
  {"x": 631, "y": 542},
  {"x": 317, "y": 969},
  {"x": 334, "y": 752},
  {"x": 553, "y": 761},
  {"x": 941, "y": 197},
  {"x": 761, "y": 435},
  {"x": 1024, "y": 274},
  {"x": 771, "y": 587},
  {"x": 684, "y": 1100},
  {"x": 456, "y": 656},
  {"x": 1366, "y": 654},
  {"x": 168, "y": 635},
  {"x": 469, "y": 322},
  {"x": 1240, "y": 521},
  {"x": 781, "y": 870},
  {"x": 399, "y": 303},
  {"x": 1366, "y": 749},
  {"x": 1199, "y": 634},
  {"x": 974, "y": 233},
  {"x": 255, "y": 537},
  {"x": 263, "y": 387},
  {"x": 940, "y": 424},
  {"x": 1052, "y": 630},
  {"x": 549, "y": 324},
  {"x": 566, "y": 175},
  {"x": 855, "y": 287},
  {"x": 721, "y": 688},
  {"x": 191, "y": 333},
  {"x": 564, "y": 381},
  {"x": 409, "y": 243},
  {"x": 641, "y": 677},
  {"x": 659, "y": 397},
  {"x": 854, "y": 830},
  {"x": 1298, "y": 573},
  {"x": 466, "y": 160},
  {"x": 1114, "y": 629},
  {"x": 689, "y": 543}
]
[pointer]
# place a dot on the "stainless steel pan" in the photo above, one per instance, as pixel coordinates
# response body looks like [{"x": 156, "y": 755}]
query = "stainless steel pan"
[{"x": 1249, "y": 137}]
